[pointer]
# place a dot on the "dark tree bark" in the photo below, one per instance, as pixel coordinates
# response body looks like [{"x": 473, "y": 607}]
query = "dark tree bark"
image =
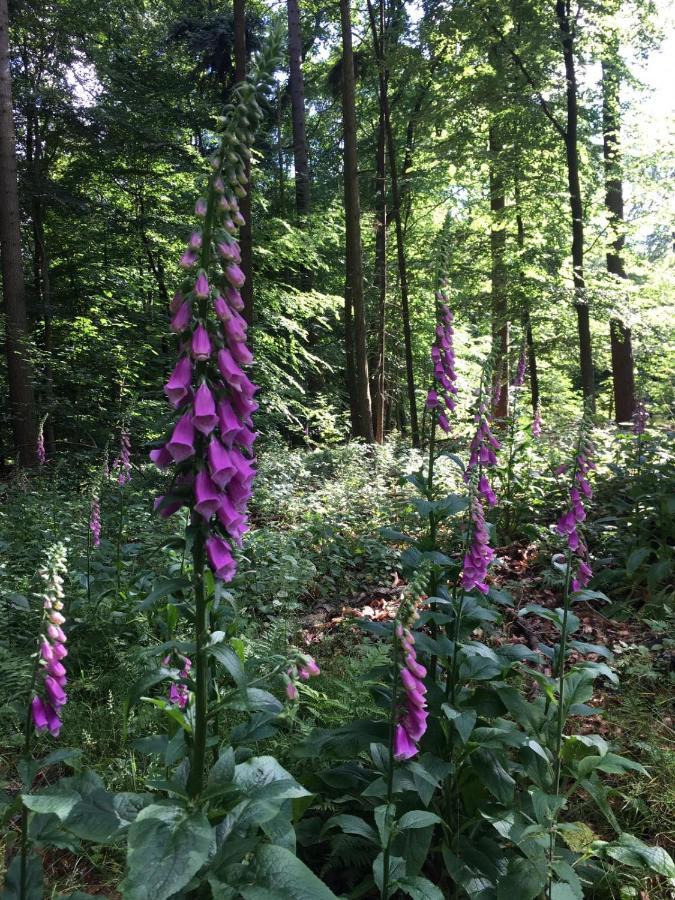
[
  {"x": 619, "y": 332},
  {"x": 19, "y": 368},
  {"x": 245, "y": 234},
  {"x": 569, "y": 136},
  {"x": 567, "y": 36},
  {"x": 380, "y": 236},
  {"x": 500, "y": 315},
  {"x": 525, "y": 305},
  {"x": 400, "y": 240},
  {"x": 297, "y": 90}
]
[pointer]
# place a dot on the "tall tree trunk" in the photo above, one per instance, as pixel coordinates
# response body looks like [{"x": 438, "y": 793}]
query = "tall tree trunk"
[
  {"x": 19, "y": 368},
  {"x": 297, "y": 89},
  {"x": 354, "y": 299},
  {"x": 381, "y": 248},
  {"x": 619, "y": 332},
  {"x": 400, "y": 240},
  {"x": 576, "y": 206},
  {"x": 245, "y": 235},
  {"x": 525, "y": 312},
  {"x": 500, "y": 316}
]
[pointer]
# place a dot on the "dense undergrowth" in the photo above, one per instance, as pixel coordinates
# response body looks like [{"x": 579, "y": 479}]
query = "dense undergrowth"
[{"x": 318, "y": 563}]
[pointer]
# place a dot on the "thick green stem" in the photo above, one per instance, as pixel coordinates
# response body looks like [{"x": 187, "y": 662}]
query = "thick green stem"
[
  {"x": 433, "y": 662},
  {"x": 27, "y": 742},
  {"x": 196, "y": 780},
  {"x": 390, "y": 773}
]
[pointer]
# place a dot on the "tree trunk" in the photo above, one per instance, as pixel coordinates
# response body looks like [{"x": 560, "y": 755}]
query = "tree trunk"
[
  {"x": 500, "y": 316},
  {"x": 19, "y": 368},
  {"x": 400, "y": 245},
  {"x": 619, "y": 333},
  {"x": 380, "y": 238},
  {"x": 354, "y": 299},
  {"x": 576, "y": 205},
  {"x": 526, "y": 318},
  {"x": 297, "y": 89},
  {"x": 245, "y": 235}
]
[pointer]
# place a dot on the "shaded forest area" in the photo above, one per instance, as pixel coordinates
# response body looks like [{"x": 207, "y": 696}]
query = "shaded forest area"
[{"x": 336, "y": 468}]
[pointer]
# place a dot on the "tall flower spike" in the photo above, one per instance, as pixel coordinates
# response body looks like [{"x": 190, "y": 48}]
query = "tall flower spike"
[
  {"x": 122, "y": 464},
  {"x": 95, "y": 521},
  {"x": 569, "y": 522},
  {"x": 210, "y": 443},
  {"x": 412, "y": 706},
  {"x": 640, "y": 419},
  {"x": 441, "y": 397},
  {"x": 537, "y": 422},
  {"x": 50, "y": 694}
]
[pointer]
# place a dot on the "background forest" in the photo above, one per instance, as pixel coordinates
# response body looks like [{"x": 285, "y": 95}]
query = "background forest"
[{"x": 448, "y": 227}]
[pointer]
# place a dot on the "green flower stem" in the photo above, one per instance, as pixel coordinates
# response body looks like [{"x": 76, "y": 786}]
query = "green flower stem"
[
  {"x": 26, "y": 755},
  {"x": 390, "y": 774},
  {"x": 196, "y": 779},
  {"x": 433, "y": 662}
]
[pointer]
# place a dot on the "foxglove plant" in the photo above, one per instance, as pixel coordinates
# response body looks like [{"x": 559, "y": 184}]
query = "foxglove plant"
[
  {"x": 209, "y": 447},
  {"x": 640, "y": 419},
  {"x": 441, "y": 397},
  {"x": 537, "y": 422},
  {"x": 95, "y": 520},
  {"x": 40, "y": 445},
  {"x": 122, "y": 463},
  {"x": 49, "y": 683}
]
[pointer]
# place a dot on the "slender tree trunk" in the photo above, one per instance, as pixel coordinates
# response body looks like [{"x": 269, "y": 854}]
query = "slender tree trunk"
[
  {"x": 576, "y": 205},
  {"x": 245, "y": 234},
  {"x": 500, "y": 316},
  {"x": 19, "y": 368},
  {"x": 400, "y": 241},
  {"x": 354, "y": 299},
  {"x": 45, "y": 295},
  {"x": 619, "y": 332},
  {"x": 297, "y": 89},
  {"x": 526, "y": 317},
  {"x": 380, "y": 236}
]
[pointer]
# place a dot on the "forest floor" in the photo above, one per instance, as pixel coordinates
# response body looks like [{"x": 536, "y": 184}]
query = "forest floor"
[{"x": 315, "y": 566}]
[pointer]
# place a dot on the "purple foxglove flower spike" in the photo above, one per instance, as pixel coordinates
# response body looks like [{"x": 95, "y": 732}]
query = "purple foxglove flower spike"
[{"x": 95, "y": 521}]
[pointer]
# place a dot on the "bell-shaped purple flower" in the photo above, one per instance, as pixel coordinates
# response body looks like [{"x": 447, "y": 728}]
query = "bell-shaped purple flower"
[
  {"x": 207, "y": 495},
  {"x": 220, "y": 558},
  {"x": 201, "y": 343},
  {"x": 182, "y": 318},
  {"x": 204, "y": 416},
  {"x": 178, "y": 386},
  {"x": 201, "y": 288},
  {"x": 181, "y": 445}
]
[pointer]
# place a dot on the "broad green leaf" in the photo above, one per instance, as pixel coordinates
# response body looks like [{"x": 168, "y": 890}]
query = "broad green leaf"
[
  {"x": 396, "y": 871},
  {"x": 166, "y": 588},
  {"x": 636, "y": 558},
  {"x": 227, "y": 658},
  {"x": 631, "y": 851},
  {"x": 462, "y": 722},
  {"x": 417, "y": 818},
  {"x": 61, "y": 803},
  {"x": 494, "y": 776},
  {"x": 353, "y": 825},
  {"x": 222, "y": 772},
  {"x": 263, "y": 778},
  {"x": 34, "y": 880},
  {"x": 280, "y": 875},
  {"x": 420, "y": 888},
  {"x": 166, "y": 848},
  {"x": 522, "y": 880}
]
